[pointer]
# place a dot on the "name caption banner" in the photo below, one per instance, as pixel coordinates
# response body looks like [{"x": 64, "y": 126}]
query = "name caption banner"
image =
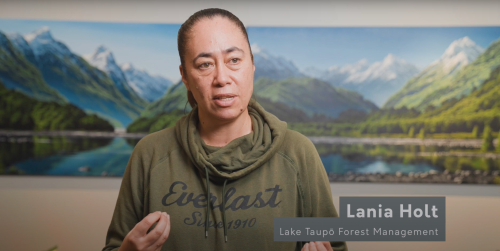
[{"x": 371, "y": 219}]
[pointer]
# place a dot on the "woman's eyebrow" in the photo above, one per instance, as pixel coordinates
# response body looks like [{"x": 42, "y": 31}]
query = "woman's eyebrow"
[
  {"x": 202, "y": 55},
  {"x": 231, "y": 49},
  {"x": 207, "y": 54}
]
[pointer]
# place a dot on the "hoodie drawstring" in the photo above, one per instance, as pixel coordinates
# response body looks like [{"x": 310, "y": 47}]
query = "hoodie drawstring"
[
  {"x": 208, "y": 204},
  {"x": 223, "y": 207}
]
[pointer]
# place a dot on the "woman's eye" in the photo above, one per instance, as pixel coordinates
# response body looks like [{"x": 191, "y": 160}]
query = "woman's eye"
[{"x": 204, "y": 65}]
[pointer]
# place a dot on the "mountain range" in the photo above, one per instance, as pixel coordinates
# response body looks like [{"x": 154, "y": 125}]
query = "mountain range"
[
  {"x": 46, "y": 69},
  {"x": 18, "y": 72},
  {"x": 273, "y": 67},
  {"x": 307, "y": 98},
  {"x": 146, "y": 85},
  {"x": 376, "y": 82},
  {"x": 463, "y": 66},
  {"x": 103, "y": 59}
]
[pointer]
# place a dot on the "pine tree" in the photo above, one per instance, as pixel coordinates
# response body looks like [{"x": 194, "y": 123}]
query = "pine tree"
[
  {"x": 487, "y": 140},
  {"x": 475, "y": 132},
  {"x": 411, "y": 132},
  {"x": 422, "y": 133},
  {"x": 498, "y": 141}
]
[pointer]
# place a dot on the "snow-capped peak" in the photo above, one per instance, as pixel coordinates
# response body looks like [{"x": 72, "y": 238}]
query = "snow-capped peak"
[
  {"x": 359, "y": 66},
  {"x": 275, "y": 67},
  {"x": 389, "y": 59},
  {"x": 103, "y": 59},
  {"x": 102, "y": 49},
  {"x": 460, "y": 53},
  {"x": 42, "y": 34},
  {"x": 147, "y": 86},
  {"x": 462, "y": 44},
  {"x": 41, "y": 41},
  {"x": 388, "y": 69},
  {"x": 255, "y": 48},
  {"x": 127, "y": 67}
]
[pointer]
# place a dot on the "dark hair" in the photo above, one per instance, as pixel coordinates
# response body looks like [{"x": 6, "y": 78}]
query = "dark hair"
[{"x": 182, "y": 36}]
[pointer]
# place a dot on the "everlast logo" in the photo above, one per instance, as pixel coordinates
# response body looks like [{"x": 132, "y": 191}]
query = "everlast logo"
[{"x": 243, "y": 202}]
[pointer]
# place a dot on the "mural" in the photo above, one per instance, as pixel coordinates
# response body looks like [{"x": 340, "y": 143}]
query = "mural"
[{"x": 381, "y": 104}]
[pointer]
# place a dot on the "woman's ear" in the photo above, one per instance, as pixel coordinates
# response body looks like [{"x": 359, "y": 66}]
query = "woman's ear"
[{"x": 183, "y": 77}]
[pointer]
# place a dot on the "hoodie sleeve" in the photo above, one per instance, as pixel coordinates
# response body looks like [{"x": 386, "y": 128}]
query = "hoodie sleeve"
[
  {"x": 318, "y": 201},
  {"x": 129, "y": 205}
]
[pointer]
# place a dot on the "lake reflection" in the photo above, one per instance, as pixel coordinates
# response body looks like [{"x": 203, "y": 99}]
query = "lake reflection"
[
  {"x": 86, "y": 156},
  {"x": 67, "y": 156}
]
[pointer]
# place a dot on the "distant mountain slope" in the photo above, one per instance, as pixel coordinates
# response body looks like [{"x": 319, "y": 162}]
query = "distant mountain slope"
[
  {"x": 311, "y": 96},
  {"x": 20, "y": 43},
  {"x": 270, "y": 66},
  {"x": 432, "y": 86},
  {"x": 147, "y": 86},
  {"x": 469, "y": 78},
  {"x": 292, "y": 100},
  {"x": 80, "y": 83},
  {"x": 104, "y": 60},
  {"x": 483, "y": 102},
  {"x": 20, "y": 112},
  {"x": 17, "y": 72},
  {"x": 175, "y": 98},
  {"x": 376, "y": 82},
  {"x": 476, "y": 111}
]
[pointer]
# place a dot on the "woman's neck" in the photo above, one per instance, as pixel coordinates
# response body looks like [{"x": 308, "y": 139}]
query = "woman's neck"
[{"x": 216, "y": 132}]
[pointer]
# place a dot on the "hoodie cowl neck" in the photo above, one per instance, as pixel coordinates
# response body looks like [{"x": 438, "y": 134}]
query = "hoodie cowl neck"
[{"x": 240, "y": 156}]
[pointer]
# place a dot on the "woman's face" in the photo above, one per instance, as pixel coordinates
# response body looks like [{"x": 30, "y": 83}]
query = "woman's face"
[{"x": 219, "y": 68}]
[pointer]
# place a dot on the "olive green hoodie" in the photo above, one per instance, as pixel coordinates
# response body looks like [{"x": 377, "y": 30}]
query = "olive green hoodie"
[{"x": 271, "y": 172}]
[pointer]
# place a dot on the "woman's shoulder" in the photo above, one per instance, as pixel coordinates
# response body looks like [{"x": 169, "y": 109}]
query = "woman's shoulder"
[
  {"x": 158, "y": 143},
  {"x": 295, "y": 143}
]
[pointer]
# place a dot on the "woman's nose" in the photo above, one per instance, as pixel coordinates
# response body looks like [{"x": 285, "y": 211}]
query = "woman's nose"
[{"x": 222, "y": 78}]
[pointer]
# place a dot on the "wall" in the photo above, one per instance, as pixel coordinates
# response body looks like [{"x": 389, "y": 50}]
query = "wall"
[{"x": 37, "y": 213}]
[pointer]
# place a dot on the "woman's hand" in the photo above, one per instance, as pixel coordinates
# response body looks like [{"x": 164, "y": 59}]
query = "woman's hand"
[
  {"x": 317, "y": 246},
  {"x": 138, "y": 239}
]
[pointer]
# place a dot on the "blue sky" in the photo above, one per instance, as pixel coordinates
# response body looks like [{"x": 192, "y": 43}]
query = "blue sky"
[
  {"x": 154, "y": 46},
  {"x": 149, "y": 46},
  {"x": 325, "y": 47}
]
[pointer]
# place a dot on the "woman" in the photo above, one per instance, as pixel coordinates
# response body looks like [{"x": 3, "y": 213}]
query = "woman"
[{"x": 228, "y": 150}]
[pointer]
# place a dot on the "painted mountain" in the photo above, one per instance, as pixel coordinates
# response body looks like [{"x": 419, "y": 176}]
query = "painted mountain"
[
  {"x": 103, "y": 59},
  {"x": 270, "y": 66},
  {"x": 284, "y": 94},
  {"x": 463, "y": 66},
  {"x": 174, "y": 99},
  {"x": 46, "y": 69},
  {"x": 147, "y": 86},
  {"x": 19, "y": 72},
  {"x": 305, "y": 97},
  {"x": 312, "y": 96},
  {"x": 376, "y": 82},
  {"x": 483, "y": 104},
  {"x": 21, "y": 112}
]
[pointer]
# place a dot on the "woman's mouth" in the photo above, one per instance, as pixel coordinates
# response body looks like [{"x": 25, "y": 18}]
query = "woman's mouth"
[{"x": 224, "y": 100}]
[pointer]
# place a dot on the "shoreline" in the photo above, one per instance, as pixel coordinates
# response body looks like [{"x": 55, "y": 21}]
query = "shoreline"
[
  {"x": 434, "y": 177},
  {"x": 89, "y": 134},
  {"x": 468, "y": 143}
]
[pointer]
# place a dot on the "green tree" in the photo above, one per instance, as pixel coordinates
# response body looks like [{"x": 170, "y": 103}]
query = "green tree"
[
  {"x": 422, "y": 133},
  {"x": 487, "y": 140},
  {"x": 411, "y": 132},
  {"x": 475, "y": 132},
  {"x": 498, "y": 141}
]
